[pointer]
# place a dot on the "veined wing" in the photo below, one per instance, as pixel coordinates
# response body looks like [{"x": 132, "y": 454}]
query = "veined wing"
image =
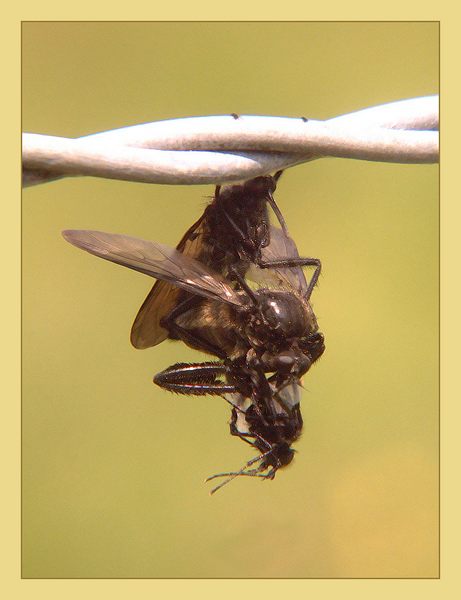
[
  {"x": 289, "y": 396},
  {"x": 281, "y": 246},
  {"x": 155, "y": 260},
  {"x": 163, "y": 297}
]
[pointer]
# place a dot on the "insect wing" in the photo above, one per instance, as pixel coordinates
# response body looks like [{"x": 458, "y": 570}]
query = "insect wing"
[
  {"x": 280, "y": 247},
  {"x": 163, "y": 297},
  {"x": 289, "y": 396},
  {"x": 146, "y": 330},
  {"x": 155, "y": 260}
]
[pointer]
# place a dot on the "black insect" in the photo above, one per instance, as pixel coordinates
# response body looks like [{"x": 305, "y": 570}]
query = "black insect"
[
  {"x": 254, "y": 332},
  {"x": 271, "y": 432},
  {"x": 228, "y": 237},
  {"x": 232, "y": 236},
  {"x": 269, "y": 330}
]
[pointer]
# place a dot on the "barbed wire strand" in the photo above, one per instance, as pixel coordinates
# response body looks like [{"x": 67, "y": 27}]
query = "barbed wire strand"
[{"x": 217, "y": 149}]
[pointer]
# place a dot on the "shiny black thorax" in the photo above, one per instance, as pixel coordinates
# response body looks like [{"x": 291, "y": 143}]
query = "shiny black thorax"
[{"x": 277, "y": 333}]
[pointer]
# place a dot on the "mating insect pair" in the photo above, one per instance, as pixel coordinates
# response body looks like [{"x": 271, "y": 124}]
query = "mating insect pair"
[{"x": 265, "y": 338}]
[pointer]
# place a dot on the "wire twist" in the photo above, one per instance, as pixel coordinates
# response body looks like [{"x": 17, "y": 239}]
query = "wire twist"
[{"x": 218, "y": 149}]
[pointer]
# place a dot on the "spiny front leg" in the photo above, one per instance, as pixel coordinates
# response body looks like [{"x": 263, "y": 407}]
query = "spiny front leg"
[{"x": 195, "y": 379}]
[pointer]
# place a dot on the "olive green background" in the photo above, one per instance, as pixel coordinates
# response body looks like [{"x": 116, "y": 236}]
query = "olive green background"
[{"x": 113, "y": 466}]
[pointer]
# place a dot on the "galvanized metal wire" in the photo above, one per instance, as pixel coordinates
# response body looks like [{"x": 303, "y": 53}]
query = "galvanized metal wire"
[{"x": 218, "y": 149}]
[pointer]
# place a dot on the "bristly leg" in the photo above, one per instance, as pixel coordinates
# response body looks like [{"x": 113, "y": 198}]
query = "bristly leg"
[{"x": 195, "y": 379}]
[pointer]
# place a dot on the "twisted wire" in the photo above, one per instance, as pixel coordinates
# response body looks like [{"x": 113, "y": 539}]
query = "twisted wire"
[{"x": 218, "y": 149}]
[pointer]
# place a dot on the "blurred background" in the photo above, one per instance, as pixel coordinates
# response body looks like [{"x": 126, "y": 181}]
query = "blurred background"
[{"x": 113, "y": 467}]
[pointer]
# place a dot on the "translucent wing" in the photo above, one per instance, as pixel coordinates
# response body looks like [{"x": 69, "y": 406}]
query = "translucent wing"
[
  {"x": 155, "y": 260},
  {"x": 290, "y": 395},
  {"x": 286, "y": 398},
  {"x": 281, "y": 246},
  {"x": 163, "y": 297}
]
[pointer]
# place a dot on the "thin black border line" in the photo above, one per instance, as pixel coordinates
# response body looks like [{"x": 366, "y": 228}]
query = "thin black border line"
[{"x": 439, "y": 577}]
